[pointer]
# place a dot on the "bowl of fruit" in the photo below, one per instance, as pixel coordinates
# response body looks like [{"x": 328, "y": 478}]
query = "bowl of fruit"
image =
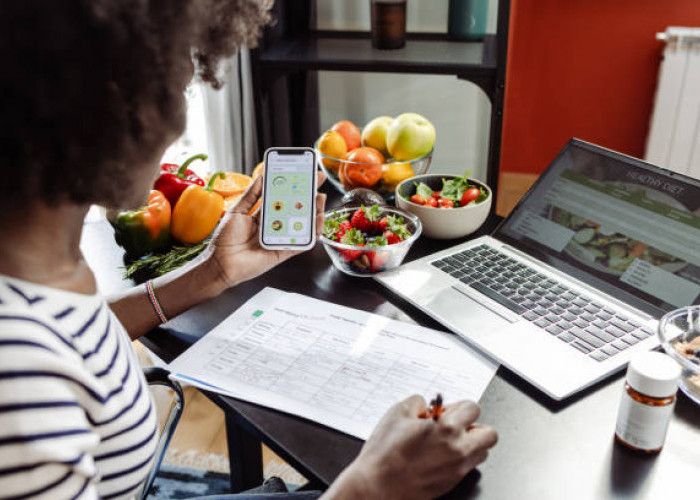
[
  {"x": 363, "y": 241},
  {"x": 381, "y": 155},
  {"x": 449, "y": 206}
]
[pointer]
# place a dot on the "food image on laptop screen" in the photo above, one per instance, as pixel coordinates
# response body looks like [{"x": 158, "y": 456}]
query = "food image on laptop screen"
[
  {"x": 609, "y": 251},
  {"x": 633, "y": 226},
  {"x": 633, "y": 233}
]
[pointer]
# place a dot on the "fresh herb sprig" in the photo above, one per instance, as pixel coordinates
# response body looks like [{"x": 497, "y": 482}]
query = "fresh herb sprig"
[{"x": 159, "y": 264}]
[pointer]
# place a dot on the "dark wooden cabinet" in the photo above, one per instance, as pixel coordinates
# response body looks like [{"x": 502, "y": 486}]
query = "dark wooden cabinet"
[{"x": 292, "y": 51}]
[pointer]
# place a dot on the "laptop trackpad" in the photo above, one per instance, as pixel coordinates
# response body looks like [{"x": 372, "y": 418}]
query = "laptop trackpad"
[{"x": 464, "y": 314}]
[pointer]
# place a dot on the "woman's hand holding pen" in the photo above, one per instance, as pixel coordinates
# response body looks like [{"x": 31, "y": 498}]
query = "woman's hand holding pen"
[{"x": 410, "y": 457}]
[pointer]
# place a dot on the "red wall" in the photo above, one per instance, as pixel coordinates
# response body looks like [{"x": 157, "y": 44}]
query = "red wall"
[{"x": 583, "y": 68}]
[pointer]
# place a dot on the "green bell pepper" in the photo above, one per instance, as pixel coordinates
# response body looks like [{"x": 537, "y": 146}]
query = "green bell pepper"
[{"x": 145, "y": 230}]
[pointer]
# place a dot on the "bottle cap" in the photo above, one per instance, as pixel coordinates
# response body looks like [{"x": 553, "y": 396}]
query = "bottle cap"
[{"x": 654, "y": 374}]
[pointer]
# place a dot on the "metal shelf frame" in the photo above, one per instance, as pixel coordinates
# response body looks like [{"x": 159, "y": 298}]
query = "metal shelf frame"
[{"x": 291, "y": 53}]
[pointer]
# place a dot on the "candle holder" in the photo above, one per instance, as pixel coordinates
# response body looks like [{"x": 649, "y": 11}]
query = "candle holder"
[{"x": 388, "y": 24}]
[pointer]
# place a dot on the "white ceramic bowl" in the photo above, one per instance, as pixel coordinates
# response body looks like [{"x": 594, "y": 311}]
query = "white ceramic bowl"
[{"x": 443, "y": 223}]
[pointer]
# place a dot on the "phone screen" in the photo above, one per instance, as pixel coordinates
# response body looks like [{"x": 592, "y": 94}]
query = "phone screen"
[{"x": 289, "y": 207}]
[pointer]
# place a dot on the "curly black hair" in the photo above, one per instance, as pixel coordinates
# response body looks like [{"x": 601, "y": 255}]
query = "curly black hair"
[{"x": 91, "y": 88}]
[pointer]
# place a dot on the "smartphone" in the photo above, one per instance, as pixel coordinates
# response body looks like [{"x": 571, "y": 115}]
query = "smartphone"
[{"x": 288, "y": 219}]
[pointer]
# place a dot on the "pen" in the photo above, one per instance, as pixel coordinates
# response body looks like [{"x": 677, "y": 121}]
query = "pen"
[{"x": 435, "y": 409}]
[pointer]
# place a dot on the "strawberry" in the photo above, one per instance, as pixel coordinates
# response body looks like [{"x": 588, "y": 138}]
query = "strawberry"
[
  {"x": 360, "y": 222},
  {"x": 392, "y": 238},
  {"x": 334, "y": 225},
  {"x": 377, "y": 259},
  {"x": 350, "y": 255},
  {"x": 396, "y": 228},
  {"x": 342, "y": 229},
  {"x": 364, "y": 219},
  {"x": 355, "y": 238}
]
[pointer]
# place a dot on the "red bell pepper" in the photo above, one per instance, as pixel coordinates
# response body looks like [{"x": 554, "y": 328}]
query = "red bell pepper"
[{"x": 174, "y": 179}]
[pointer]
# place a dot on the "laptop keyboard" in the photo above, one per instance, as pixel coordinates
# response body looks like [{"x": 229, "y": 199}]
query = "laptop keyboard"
[{"x": 586, "y": 325}]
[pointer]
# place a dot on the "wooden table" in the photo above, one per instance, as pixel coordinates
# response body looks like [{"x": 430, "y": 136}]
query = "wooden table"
[{"x": 546, "y": 449}]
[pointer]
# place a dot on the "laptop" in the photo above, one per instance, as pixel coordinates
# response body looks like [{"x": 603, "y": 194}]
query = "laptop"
[{"x": 574, "y": 281}]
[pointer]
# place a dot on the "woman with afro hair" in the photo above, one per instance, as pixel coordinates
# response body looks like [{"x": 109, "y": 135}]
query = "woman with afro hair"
[{"x": 91, "y": 94}]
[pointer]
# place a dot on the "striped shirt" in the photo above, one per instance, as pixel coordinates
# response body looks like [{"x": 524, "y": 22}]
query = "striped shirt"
[{"x": 76, "y": 416}]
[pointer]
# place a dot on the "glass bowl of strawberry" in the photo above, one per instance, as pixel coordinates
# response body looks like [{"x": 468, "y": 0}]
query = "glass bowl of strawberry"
[{"x": 363, "y": 241}]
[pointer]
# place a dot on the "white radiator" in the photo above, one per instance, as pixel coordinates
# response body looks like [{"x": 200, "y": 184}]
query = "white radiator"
[{"x": 674, "y": 138}]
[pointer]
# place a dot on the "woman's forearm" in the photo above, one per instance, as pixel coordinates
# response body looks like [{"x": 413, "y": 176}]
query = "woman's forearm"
[{"x": 176, "y": 292}]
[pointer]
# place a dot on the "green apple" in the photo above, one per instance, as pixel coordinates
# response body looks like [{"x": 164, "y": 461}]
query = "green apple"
[
  {"x": 374, "y": 133},
  {"x": 410, "y": 136}
]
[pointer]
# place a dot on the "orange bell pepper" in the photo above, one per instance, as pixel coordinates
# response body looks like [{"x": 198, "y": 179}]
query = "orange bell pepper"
[{"x": 197, "y": 212}]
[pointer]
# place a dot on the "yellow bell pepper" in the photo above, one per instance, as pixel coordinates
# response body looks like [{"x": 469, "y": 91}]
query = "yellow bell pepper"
[{"x": 197, "y": 212}]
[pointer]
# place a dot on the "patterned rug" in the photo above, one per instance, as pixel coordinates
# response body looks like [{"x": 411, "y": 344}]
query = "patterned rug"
[
  {"x": 185, "y": 483},
  {"x": 181, "y": 482}
]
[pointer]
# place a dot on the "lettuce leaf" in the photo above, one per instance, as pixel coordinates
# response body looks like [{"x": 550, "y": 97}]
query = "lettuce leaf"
[
  {"x": 423, "y": 190},
  {"x": 455, "y": 188}
]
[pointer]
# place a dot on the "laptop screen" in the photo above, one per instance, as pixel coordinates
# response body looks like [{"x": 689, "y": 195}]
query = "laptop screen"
[{"x": 617, "y": 223}]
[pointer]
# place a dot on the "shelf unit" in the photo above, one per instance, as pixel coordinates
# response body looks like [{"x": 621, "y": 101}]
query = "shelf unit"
[{"x": 285, "y": 65}]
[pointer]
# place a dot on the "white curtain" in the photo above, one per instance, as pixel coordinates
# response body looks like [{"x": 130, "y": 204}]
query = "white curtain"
[{"x": 230, "y": 119}]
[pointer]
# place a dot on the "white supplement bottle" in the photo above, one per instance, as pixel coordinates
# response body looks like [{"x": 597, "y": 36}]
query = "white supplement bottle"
[{"x": 647, "y": 402}]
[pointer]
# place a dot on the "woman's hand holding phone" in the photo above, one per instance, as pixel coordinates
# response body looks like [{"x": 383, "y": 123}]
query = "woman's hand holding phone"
[{"x": 235, "y": 246}]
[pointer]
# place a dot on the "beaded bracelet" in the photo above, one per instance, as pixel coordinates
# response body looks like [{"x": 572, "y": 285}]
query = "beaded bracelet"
[{"x": 154, "y": 301}]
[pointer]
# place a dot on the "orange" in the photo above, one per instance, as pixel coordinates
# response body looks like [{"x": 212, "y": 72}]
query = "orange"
[
  {"x": 230, "y": 201},
  {"x": 393, "y": 173},
  {"x": 232, "y": 184},
  {"x": 364, "y": 167},
  {"x": 258, "y": 170},
  {"x": 332, "y": 144},
  {"x": 350, "y": 133},
  {"x": 366, "y": 154},
  {"x": 344, "y": 180}
]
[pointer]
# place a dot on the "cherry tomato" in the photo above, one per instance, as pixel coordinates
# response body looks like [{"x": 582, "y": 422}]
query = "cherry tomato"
[
  {"x": 431, "y": 202},
  {"x": 418, "y": 199},
  {"x": 436, "y": 194},
  {"x": 469, "y": 195},
  {"x": 445, "y": 203}
]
